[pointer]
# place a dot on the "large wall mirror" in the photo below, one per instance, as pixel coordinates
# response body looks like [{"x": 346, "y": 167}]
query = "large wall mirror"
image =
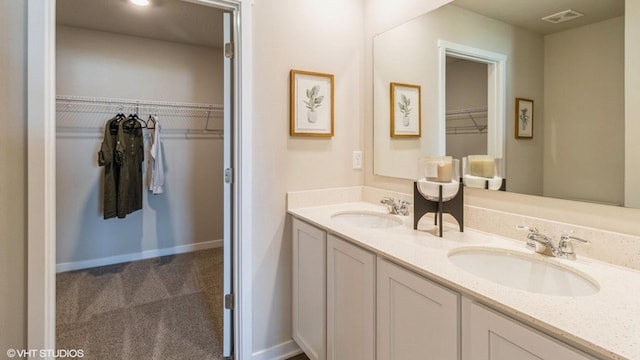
[{"x": 570, "y": 70}]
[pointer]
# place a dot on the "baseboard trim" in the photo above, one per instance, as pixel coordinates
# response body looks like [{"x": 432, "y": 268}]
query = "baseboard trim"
[
  {"x": 281, "y": 351},
  {"x": 147, "y": 254}
]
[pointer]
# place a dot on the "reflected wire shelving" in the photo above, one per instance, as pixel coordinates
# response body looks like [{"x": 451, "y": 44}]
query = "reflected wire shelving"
[{"x": 467, "y": 121}]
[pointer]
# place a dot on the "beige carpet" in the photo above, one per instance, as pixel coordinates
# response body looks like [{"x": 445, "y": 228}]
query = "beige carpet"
[
  {"x": 162, "y": 308},
  {"x": 299, "y": 357}
]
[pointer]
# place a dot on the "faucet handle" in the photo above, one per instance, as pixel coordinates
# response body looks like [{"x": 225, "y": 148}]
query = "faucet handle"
[
  {"x": 404, "y": 209},
  {"x": 392, "y": 206},
  {"x": 530, "y": 229},
  {"x": 565, "y": 246},
  {"x": 567, "y": 237},
  {"x": 531, "y": 244}
]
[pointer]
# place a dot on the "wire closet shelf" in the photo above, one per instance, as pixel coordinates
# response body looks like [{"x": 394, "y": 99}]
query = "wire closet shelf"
[
  {"x": 89, "y": 114},
  {"x": 467, "y": 121}
]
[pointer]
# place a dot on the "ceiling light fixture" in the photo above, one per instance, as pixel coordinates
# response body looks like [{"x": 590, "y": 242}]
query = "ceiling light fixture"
[
  {"x": 140, "y": 2},
  {"x": 562, "y": 16}
]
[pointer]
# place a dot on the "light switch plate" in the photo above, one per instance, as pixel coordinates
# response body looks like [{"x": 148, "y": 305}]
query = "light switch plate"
[{"x": 357, "y": 159}]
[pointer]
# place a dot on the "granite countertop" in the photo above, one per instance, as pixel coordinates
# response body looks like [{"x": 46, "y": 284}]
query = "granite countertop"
[{"x": 606, "y": 323}]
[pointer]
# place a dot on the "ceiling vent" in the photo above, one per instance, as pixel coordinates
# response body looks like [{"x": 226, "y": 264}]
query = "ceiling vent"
[{"x": 562, "y": 16}]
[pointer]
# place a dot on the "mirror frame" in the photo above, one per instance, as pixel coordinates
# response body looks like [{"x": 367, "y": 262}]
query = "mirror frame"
[{"x": 496, "y": 93}]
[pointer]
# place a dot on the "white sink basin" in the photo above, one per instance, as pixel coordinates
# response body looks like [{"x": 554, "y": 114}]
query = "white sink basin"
[
  {"x": 523, "y": 271},
  {"x": 367, "y": 219}
]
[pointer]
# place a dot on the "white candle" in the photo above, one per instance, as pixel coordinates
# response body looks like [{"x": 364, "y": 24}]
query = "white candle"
[
  {"x": 444, "y": 172},
  {"x": 438, "y": 169},
  {"x": 482, "y": 165}
]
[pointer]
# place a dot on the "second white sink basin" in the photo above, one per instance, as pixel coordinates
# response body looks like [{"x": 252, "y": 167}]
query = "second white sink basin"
[
  {"x": 523, "y": 271},
  {"x": 367, "y": 219}
]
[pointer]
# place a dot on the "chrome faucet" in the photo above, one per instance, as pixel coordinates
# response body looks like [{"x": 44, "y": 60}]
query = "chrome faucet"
[
  {"x": 565, "y": 246},
  {"x": 538, "y": 242},
  {"x": 542, "y": 244},
  {"x": 400, "y": 207}
]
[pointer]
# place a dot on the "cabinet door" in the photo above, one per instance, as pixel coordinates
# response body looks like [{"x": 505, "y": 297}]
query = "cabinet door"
[
  {"x": 416, "y": 318},
  {"x": 487, "y": 335},
  {"x": 309, "y": 294},
  {"x": 351, "y": 296}
]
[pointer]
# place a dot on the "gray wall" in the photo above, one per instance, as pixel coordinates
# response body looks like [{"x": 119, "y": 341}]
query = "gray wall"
[
  {"x": 13, "y": 157},
  {"x": 576, "y": 109},
  {"x": 103, "y": 64},
  {"x": 632, "y": 99}
]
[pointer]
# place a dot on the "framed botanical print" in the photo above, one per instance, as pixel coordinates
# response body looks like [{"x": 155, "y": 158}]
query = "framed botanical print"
[
  {"x": 524, "y": 118},
  {"x": 406, "y": 110},
  {"x": 311, "y": 103}
]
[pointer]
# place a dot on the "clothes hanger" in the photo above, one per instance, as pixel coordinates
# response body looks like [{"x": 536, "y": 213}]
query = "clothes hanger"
[
  {"x": 133, "y": 118},
  {"x": 119, "y": 117},
  {"x": 151, "y": 119}
]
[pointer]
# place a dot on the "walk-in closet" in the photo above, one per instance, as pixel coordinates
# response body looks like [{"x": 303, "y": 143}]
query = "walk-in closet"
[{"x": 142, "y": 281}]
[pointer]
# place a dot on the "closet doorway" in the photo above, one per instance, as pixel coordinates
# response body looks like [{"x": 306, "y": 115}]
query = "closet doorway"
[{"x": 147, "y": 282}]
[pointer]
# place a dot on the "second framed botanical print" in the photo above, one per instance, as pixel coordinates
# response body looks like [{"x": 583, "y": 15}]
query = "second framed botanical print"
[
  {"x": 524, "y": 118},
  {"x": 406, "y": 110},
  {"x": 311, "y": 108}
]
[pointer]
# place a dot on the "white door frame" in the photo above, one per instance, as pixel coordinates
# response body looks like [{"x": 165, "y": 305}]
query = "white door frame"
[{"x": 41, "y": 174}]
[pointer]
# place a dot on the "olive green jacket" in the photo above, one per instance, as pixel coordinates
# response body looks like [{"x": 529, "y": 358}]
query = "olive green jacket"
[{"x": 122, "y": 154}]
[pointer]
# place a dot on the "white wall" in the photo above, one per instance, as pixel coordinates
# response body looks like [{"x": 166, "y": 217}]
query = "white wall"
[
  {"x": 323, "y": 36},
  {"x": 99, "y": 64},
  {"x": 419, "y": 65},
  {"x": 591, "y": 169},
  {"x": 13, "y": 175},
  {"x": 382, "y": 15}
]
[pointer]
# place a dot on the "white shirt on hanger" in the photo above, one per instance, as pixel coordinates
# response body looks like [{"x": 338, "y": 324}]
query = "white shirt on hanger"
[{"x": 156, "y": 178}]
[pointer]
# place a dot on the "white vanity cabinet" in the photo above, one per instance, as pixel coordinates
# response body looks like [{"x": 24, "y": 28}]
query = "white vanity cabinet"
[
  {"x": 309, "y": 289},
  {"x": 351, "y": 304},
  {"x": 333, "y": 296},
  {"x": 351, "y": 295},
  {"x": 488, "y": 335},
  {"x": 417, "y": 318}
]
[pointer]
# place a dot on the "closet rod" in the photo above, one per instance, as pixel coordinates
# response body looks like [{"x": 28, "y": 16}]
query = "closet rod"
[
  {"x": 464, "y": 130},
  {"x": 475, "y": 110}
]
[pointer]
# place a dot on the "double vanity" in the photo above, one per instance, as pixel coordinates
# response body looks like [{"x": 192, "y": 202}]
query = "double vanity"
[{"x": 368, "y": 286}]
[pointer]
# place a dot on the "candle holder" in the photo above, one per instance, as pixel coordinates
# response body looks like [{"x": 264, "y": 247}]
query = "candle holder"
[
  {"x": 483, "y": 172},
  {"x": 425, "y": 202},
  {"x": 438, "y": 169}
]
